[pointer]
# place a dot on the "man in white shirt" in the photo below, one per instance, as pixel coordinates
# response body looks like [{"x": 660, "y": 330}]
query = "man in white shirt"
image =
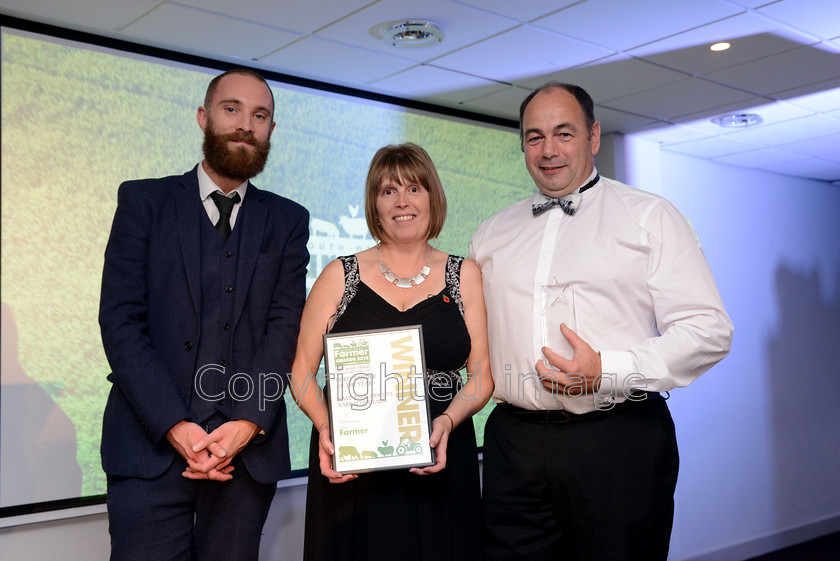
[{"x": 596, "y": 303}]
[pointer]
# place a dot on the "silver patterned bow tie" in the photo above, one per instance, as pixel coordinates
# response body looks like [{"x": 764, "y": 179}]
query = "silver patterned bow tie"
[{"x": 570, "y": 203}]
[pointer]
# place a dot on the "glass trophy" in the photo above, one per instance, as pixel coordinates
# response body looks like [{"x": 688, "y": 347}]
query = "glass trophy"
[{"x": 558, "y": 307}]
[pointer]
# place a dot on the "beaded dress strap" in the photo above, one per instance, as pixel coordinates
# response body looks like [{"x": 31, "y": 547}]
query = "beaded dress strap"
[
  {"x": 351, "y": 286},
  {"x": 453, "y": 280},
  {"x": 453, "y": 284}
]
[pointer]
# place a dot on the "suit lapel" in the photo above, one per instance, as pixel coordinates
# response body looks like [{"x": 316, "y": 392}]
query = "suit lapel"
[
  {"x": 188, "y": 209},
  {"x": 252, "y": 219}
]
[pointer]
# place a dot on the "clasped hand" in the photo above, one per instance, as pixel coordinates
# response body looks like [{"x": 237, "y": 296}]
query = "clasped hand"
[
  {"x": 209, "y": 456},
  {"x": 572, "y": 377}
]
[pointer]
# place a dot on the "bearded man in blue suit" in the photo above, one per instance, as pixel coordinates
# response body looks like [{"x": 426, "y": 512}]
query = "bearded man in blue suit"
[{"x": 202, "y": 291}]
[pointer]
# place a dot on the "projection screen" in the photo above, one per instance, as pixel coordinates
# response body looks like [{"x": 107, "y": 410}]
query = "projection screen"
[{"x": 79, "y": 118}]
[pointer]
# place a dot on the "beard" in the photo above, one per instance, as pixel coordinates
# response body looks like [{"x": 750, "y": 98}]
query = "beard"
[{"x": 237, "y": 162}]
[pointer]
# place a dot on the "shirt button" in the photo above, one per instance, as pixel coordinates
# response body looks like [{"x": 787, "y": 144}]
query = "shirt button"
[
  {"x": 228, "y": 289},
  {"x": 187, "y": 346},
  {"x": 221, "y": 402},
  {"x": 223, "y": 363},
  {"x": 226, "y": 326},
  {"x": 228, "y": 254}
]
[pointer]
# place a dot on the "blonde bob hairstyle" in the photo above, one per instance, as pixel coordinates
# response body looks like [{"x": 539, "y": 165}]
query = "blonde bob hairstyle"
[{"x": 404, "y": 163}]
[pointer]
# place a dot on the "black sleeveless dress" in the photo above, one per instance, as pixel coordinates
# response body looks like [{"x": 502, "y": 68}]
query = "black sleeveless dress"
[{"x": 396, "y": 515}]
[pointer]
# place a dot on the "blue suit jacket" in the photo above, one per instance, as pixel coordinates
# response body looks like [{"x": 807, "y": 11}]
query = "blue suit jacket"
[{"x": 150, "y": 320}]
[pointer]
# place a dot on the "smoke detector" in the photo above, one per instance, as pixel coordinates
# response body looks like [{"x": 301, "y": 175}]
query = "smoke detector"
[
  {"x": 738, "y": 120},
  {"x": 411, "y": 33}
]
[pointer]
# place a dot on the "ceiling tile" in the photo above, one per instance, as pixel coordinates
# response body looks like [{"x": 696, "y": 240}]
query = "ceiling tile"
[
  {"x": 812, "y": 168},
  {"x": 426, "y": 80},
  {"x": 751, "y": 38},
  {"x": 468, "y": 95},
  {"x": 789, "y": 131},
  {"x": 827, "y": 100},
  {"x": 739, "y": 25},
  {"x": 674, "y": 100},
  {"x": 822, "y": 147},
  {"x": 194, "y": 31},
  {"x": 807, "y": 89},
  {"x": 291, "y": 15},
  {"x": 782, "y": 71},
  {"x": 454, "y": 99},
  {"x": 713, "y": 147},
  {"x": 613, "y": 77},
  {"x": 102, "y": 14},
  {"x": 624, "y": 25},
  {"x": 663, "y": 133},
  {"x": 819, "y": 17},
  {"x": 501, "y": 58},
  {"x": 462, "y": 25},
  {"x": 312, "y": 57},
  {"x": 522, "y": 11},
  {"x": 504, "y": 103},
  {"x": 751, "y": 3},
  {"x": 760, "y": 158},
  {"x": 617, "y": 121},
  {"x": 770, "y": 113}
]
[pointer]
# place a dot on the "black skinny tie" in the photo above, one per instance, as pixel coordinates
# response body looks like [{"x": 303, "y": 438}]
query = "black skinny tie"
[{"x": 225, "y": 206}]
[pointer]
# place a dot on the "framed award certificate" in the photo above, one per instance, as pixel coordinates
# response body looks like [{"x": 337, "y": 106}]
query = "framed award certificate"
[{"x": 377, "y": 399}]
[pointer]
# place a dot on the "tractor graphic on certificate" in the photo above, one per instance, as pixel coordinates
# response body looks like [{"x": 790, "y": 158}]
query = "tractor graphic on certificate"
[{"x": 405, "y": 447}]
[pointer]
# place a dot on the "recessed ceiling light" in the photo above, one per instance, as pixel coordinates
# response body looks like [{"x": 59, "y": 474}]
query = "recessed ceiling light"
[
  {"x": 738, "y": 120},
  {"x": 720, "y": 46},
  {"x": 412, "y": 33}
]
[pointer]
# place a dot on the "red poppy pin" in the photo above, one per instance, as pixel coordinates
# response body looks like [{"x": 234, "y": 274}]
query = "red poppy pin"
[{"x": 446, "y": 298}]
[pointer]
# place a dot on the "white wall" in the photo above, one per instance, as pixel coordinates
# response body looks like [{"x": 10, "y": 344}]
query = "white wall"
[
  {"x": 758, "y": 433},
  {"x": 80, "y": 533}
]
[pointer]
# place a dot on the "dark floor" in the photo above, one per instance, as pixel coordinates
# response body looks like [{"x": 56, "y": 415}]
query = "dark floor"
[{"x": 826, "y": 548}]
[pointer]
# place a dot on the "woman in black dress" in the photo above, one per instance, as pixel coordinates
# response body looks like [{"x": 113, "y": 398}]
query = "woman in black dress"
[{"x": 430, "y": 513}]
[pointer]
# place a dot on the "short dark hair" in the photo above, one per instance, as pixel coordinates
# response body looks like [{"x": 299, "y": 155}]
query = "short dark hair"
[
  {"x": 211, "y": 87},
  {"x": 400, "y": 163},
  {"x": 582, "y": 97}
]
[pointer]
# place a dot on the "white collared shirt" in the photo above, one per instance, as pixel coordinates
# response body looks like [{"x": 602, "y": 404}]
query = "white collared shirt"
[
  {"x": 207, "y": 186},
  {"x": 641, "y": 294}
]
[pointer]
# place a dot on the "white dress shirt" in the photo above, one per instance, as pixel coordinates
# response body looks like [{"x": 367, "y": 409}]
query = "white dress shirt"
[
  {"x": 207, "y": 186},
  {"x": 641, "y": 293}
]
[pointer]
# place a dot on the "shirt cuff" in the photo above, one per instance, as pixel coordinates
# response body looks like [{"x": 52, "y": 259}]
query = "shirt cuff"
[{"x": 619, "y": 378}]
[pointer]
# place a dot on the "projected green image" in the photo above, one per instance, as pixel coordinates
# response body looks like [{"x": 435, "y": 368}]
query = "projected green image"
[{"x": 77, "y": 121}]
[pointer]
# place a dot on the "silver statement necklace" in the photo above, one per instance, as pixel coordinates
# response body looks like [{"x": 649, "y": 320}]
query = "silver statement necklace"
[{"x": 402, "y": 282}]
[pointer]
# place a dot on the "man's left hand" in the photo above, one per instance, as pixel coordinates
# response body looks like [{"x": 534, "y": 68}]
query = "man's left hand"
[
  {"x": 575, "y": 376},
  {"x": 230, "y": 438}
]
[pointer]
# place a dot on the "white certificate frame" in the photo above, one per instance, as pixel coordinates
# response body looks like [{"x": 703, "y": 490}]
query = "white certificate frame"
[{"x": 378, "y": 399}]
